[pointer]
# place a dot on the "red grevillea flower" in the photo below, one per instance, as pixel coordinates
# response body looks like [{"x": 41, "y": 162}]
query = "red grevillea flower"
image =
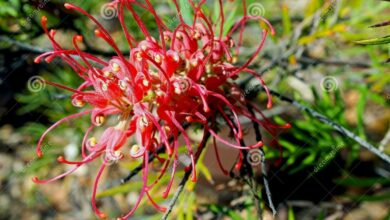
[{"x": 185, "y": 77}]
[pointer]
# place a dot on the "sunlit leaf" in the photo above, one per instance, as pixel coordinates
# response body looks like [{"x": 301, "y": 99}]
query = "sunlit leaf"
[{"x": 375, "y": 41}]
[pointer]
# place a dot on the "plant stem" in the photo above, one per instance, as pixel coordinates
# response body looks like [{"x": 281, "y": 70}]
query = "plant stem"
[{"x": 186, "y": 177}]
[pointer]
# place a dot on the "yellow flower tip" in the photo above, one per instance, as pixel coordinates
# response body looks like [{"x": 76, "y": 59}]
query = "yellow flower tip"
[
  {"x": 116, "y": 67},
  {"x": 99, "y": 120},
  {"x": 92, "y": 141}
]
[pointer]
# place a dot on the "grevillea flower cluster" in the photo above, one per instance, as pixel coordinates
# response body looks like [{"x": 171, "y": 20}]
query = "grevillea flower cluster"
[{"x": 182, "y": 77}]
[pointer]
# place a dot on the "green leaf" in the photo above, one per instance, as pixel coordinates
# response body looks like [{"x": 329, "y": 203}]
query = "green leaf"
[
  {"x": 186, "y": 11},
  {"x": 370, "y": 198},
  {"x": 233, "y": 215},
  {"x": 289, "y": 146},
  {"x": 291, "y": 215},
  {"x": 206, "y": 173},
  {"x": 35, "y": 164},
  {"x": 388, "y": 216},
  {"x": 286, "y": 20},
  {"x": 125, "y": 188},
  {"x": 375, "y": 41},
  {"x": 361, "y": 182},
  {"x": 321, "y": 216},
  {"x": 309, "y": 159},
  {"x": 190, "y": 202},
  {"x": 360, "y": 107},
  {"x": 7, "y": 10},
  {"x": 230, "y": 20}
]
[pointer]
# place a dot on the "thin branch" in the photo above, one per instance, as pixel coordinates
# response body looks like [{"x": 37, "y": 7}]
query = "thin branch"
[
  {"x": 315, "y": 61},
  {"x": 266, "y": 183},
  {"x": 263, "y": 165},
  {"x": 186, "y": 177},
  {"x": 329, "y": 122},
  {"x": 136, "y": 170},
  {"x": 28, "y": 47},
  {"x": 160, "y": 150},
  {"x": 179, "y": 190},
  {"x": 246, "y": 170},
  {"x": 254, "y": 188},
  {"x": 274, "y": 62},
  {"x": 39, "y": 50},
  {"x": 310, "y": 204}
]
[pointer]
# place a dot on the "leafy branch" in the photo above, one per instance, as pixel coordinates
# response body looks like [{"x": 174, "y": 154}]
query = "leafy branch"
[{"x": 331, "y": 123}]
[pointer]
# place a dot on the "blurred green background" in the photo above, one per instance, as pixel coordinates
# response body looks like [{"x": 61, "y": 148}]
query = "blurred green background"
[{"x": 320, "y": 63}]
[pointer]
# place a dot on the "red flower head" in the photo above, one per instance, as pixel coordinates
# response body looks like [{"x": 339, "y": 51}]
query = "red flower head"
[{"x": 185, "y": 77}]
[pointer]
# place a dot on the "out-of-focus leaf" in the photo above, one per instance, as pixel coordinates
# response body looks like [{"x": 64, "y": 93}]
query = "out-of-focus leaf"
[
  {"x": 370, "y": 198},
  {"x": 190, "y": 202},
  {"x": 36, "y": 163},
  {"x": 289, "y": 146},
  {"x": 312, "y": 6},
  {"x": 321, "y": 216},
  {"x": 249, "y": 213},
  {"x": 286, "y": 20},
  {"x": 234, "y": 216},
  {"x": 361, "y": 182},
  {"x": 230, "y": 20},
  {"x": 360, "y": 107},
  {"x": 379, "y": 80},
  {"x": 206, "y": 173},
  {"x": 7, "y": 9},
  {"x": 217, "y": 209},
  {"x": 339, "y": 28},
  {"x": 375, "y": 41},
  {"x": 121, "y": 189},
  {"x": 291, "y": 215},
  {"x": 186, "y": 11},
  {"x": 309, "y": 159}
]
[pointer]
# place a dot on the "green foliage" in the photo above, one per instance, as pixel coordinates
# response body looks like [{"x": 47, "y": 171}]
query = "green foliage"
[
  {"x": 9, "y": 8},
  {"x": 361, "y": 182},
  {"x": 311, "y": 140},
  {"x": 226, "y": 211}
]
